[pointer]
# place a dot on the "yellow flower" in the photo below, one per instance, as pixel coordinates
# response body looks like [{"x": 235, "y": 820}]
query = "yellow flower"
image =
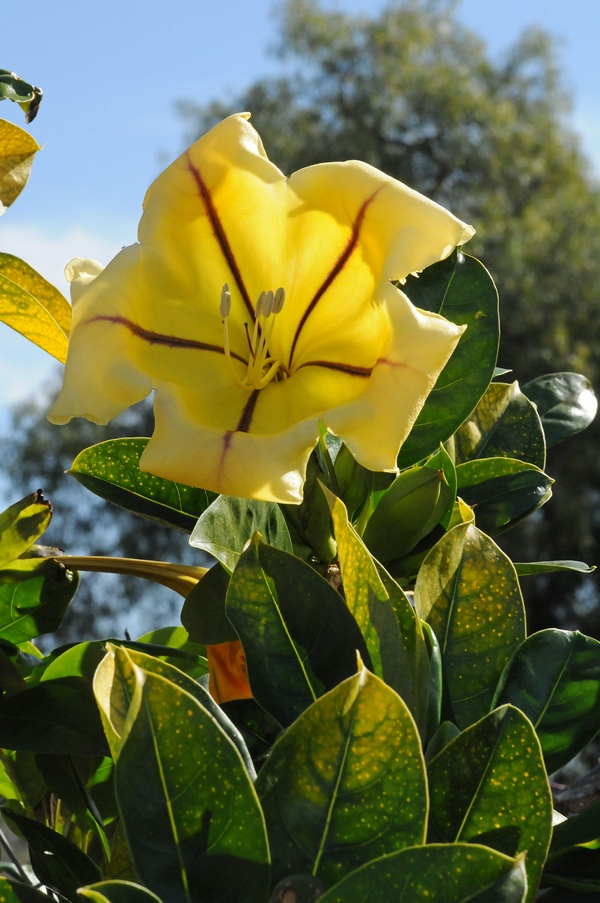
[{"x": 256, "y": 305}]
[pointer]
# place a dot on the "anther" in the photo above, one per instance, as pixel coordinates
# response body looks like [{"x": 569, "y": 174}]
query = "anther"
[
  {"x": 268, "y": 305},
  {"x": 225, "y": 306},
  {"x": 278, "y": 300},
  {"x": 260, "y": 303}
]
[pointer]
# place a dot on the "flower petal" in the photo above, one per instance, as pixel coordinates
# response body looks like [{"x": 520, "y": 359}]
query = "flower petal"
[
  {"x": 248, "y": 465},
  {"x": 375, "y": 425}
]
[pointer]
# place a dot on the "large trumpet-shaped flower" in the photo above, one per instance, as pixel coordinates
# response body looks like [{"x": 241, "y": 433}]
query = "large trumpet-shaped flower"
[{"x": 256, "y": 305}]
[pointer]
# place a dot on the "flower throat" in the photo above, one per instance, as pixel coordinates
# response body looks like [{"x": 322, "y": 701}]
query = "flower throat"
[{"x": 262, "y": 367}]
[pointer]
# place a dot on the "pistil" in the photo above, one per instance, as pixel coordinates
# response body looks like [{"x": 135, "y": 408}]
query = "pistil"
[{"x": 262, "y": 367}]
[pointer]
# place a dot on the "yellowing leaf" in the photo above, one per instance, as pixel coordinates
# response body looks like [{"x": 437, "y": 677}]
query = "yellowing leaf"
[
  {"x": 17, "y": 149},
  {"x": 32, "y": 306}
]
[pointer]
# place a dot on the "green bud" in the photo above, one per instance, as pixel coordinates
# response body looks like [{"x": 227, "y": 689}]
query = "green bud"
[
  {"x": 410, "y": 509},
  {"x": 312, "y": 519}
]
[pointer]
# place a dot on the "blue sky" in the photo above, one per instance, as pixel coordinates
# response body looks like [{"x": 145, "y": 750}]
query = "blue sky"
[{"x": 112, "y": 70}]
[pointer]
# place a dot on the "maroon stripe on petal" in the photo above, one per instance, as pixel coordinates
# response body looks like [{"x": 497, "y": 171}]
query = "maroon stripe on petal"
[
  {"x": 219, "y": 233},
  {"x": 336, "y": 268},
  {"x": 247, "y": 414},
  {"x": 170, "y": 341},
  {"x": 364, "y": 372}
]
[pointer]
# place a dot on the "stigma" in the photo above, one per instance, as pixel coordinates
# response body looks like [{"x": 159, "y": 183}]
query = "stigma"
[{"x": 262, "y": 368}]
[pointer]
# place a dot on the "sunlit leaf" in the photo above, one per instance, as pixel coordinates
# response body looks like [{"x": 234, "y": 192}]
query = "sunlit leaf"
[
  {"x": 22, "y": 524},
  {"x": 438, "y": 873},
  {"x": 17, "y": 150},
  {"x": 345, "y": 783},
  {"x": 111, "y": 470},
  {"x": 467, "y": 589},
  {"x": 489, "y": 786}
]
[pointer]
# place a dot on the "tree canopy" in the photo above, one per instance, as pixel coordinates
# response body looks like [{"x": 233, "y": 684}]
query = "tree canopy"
[{"x": 416, "y": 94}]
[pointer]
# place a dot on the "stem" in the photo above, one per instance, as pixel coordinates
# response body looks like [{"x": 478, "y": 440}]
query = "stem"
[{"x": 181, "y": 578}]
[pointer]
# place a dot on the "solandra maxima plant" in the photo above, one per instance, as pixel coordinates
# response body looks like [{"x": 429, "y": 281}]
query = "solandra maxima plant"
[{"x": 352, "y": 709}]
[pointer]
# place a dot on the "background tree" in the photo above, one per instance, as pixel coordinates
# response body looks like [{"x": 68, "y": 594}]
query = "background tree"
[{"x": 414, "y": 93}]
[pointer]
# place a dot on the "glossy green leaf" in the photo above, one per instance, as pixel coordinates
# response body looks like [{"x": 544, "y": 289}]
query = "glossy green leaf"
[
  {"x": 52, "y": 717},
  {"x": 22, "y": 524},
  {"x": 118, "y": 892},
  {"x": 565, "y": 402},
  {"x": 311, "y": 520},
  {"x": 460, "y": 289},
  {"x": 345, "y": 783},
  {"x": 554, "y": 678},
  {"x": 491, "y": 780},
  {"x": 172, "y": 645},
  {"x": 190, "y": 810},
  {"x": 369, "y": 602},
  {"x": 228, "y": 524},
  {"x": 504, "y": 424},
  {"x": 442, "y": 737},
  {"x": 111, "y": 470},
  {"x": 56, "y": 861},
  {"x": 438, "y": 873},
  {"x": 525, "y": 568},
  {"x": 27, "y": 96},
  {"x": 467, "y": 589},
  {"x": 17, "y": 150},
  {"x": 581, "y": 828},
  {"x": 203, "y": 613},
  {"x": 298, "y": 635},
  {"x": 80, "y": 660},
  {"x": 15, "y": 892},
  {"x": 34, "y": 596},
  {"x": 407, "y": 512},
  {"x": 502, "y": 491}
]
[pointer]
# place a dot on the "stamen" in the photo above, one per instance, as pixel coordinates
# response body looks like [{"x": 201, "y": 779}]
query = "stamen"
[
  {"x": 268, "y": 305},
  {"x": 259, "y": 305},
  {"x": 225, "y": 306},
  {"x": 279, "y": 300},
  {"x": 249, "y": 341}
]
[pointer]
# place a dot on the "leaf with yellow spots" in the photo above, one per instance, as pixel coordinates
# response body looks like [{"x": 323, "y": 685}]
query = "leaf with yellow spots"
[
  {"x": 393, "y": 657},
  {"x": 17, "y": 150},
  {"x": 468, "y": 590},
  {"x": 437, "y": 873},
  {"x": 190, "y": 811},
  {"x": 504, "y": 424},
  {"x": 33, "y": 307},
  {"x": 299, "y": 638},
  {"x": 111, "y": 470},
  {"x": 345, "y": 783},
  {"x": 489, "y": 786}
]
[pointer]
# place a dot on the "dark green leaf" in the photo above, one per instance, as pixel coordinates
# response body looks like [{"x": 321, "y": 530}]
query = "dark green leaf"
[
  {"x": 438, "y": 873},
  {"x": 525, "y": 568},
  {"x": 228, "y": 524},
  {"x": 52, "y": 717},
  {"x": 256, "y": 726},
  {"x": 442, "y": 737},
  {"x": 345, "y": 783},
  {"x": 502, "y": 491},
  {"x": 576, "y": 868},
  {"x": 565, "y": 402},
  {"x": 467, "y": 589},
  {"x": 554, "y": 678},
  {"x": 118, "y": 892},
  {"x": 462, "y": 290},
  {"x": 298, "y": 635},
  {"x": 22, "y": 524},
  {"x": 490, "y": 777},
  {"x": 582, "y": 828},
  {"x": 34, "y": 596},
  {"x": 203, "y": 613},
  {"x": 111, "y": 470},
  {"x": 56, "y": 861},
  {"x": 504, "y": 424},
  {"x": 27, "y": 96},
  {"x": 189, "y": 808}
]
